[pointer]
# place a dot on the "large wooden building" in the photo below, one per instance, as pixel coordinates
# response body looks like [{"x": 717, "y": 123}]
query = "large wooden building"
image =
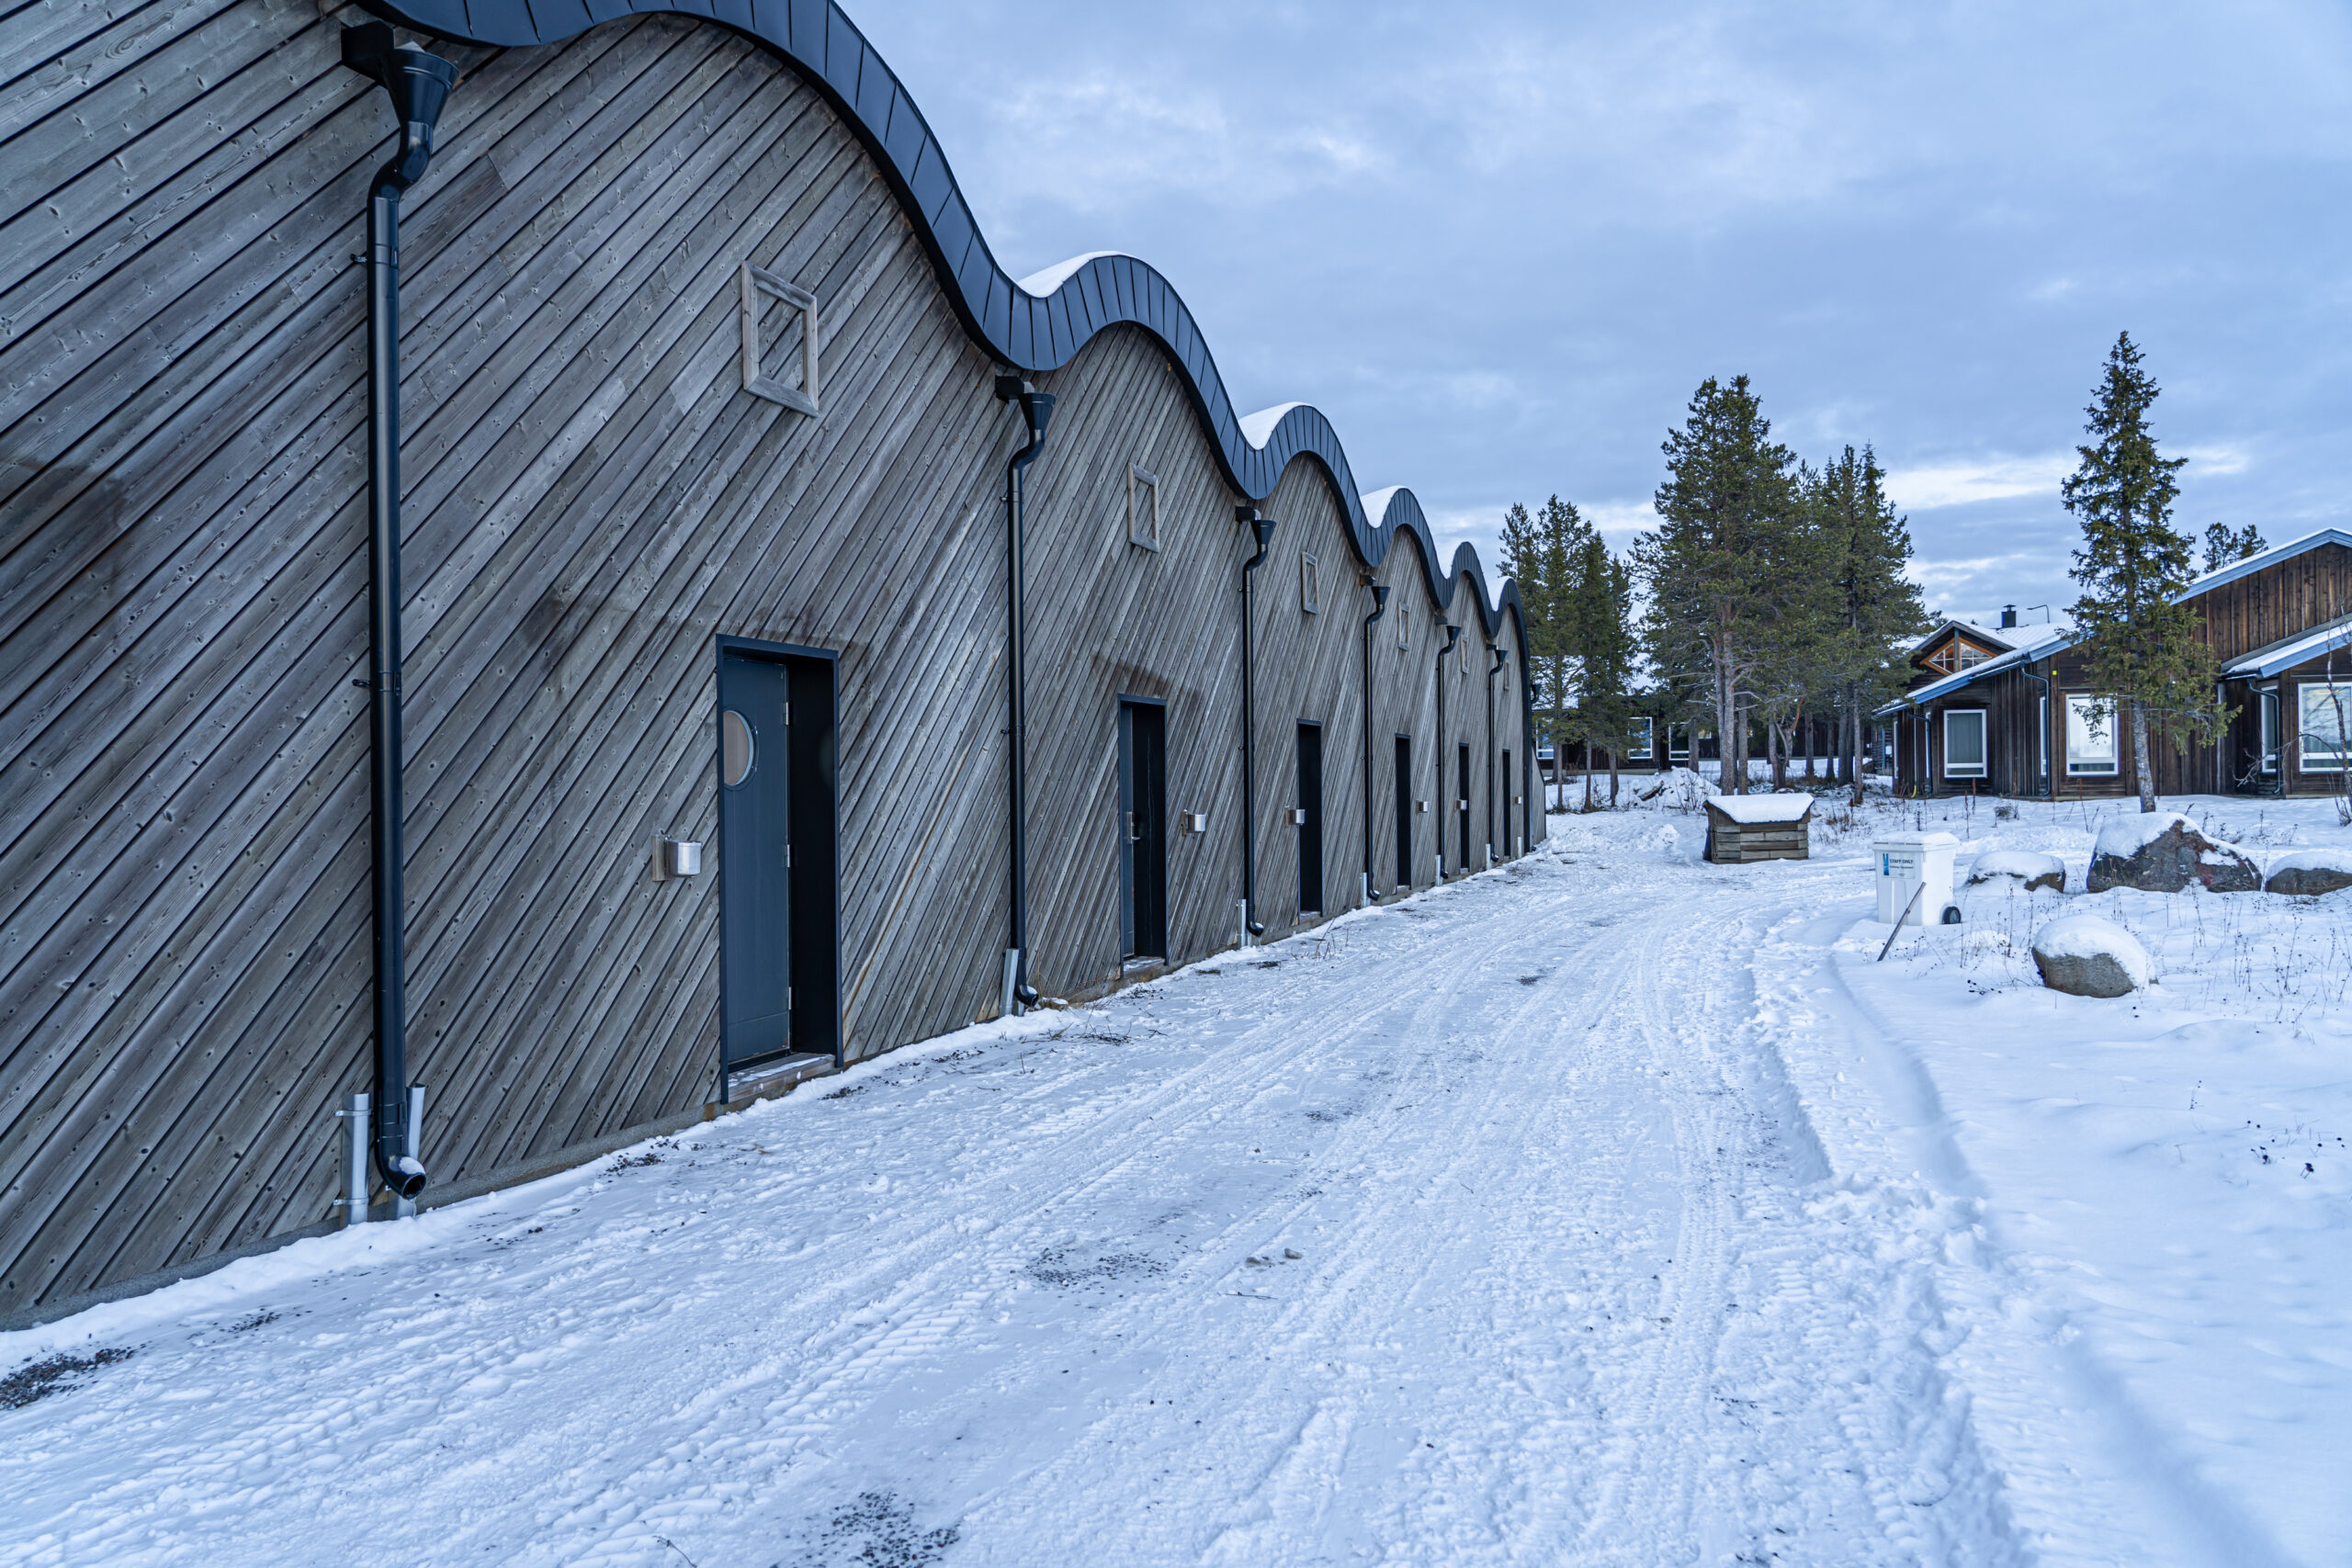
[
  {"x": 2013, "y": 710},
  {"x": 690, "y": 473}
]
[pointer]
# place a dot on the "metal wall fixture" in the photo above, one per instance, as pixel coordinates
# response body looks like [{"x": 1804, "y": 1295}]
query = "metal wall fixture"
[
  {"x": 758, "y": 282},
  {"x": 674, "y": 858},
  {"x": 1194, "y": 821},
  {"x": 1251, "y": 927},
  {"x": 1442, "y": 750},
  {"x": 1379, "y": 608},
  {"x": 418, "y": 83},
  {"x": 1036, "y": 408}
]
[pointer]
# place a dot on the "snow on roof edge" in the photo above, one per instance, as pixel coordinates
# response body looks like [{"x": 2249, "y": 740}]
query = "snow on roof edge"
[
  {"x": 1258, "y": 428},
  {"x": 1043, "y": 282}
]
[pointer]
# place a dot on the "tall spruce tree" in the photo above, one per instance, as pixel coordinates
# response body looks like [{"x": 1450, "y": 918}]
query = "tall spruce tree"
[
  {"x": 2144, "y": 649},
  {"x": 1717, "y": 567},
  {"x": 1877, "y": 607}
]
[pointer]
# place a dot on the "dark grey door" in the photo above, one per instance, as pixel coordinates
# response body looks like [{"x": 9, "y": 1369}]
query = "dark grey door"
[
  {"x": 778, "y": 855},
  {"x": 755, "y": 850},
  {"x": 1143, "y": 829},
  {"x": 1462, "y": 804},
  {"x": 1405, "y": 813},
  {"x": 1310, "y": 831}
]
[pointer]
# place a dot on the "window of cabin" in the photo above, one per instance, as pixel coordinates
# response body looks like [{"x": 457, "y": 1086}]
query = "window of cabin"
[
  {"x": 1677, "y": 744},
  {"x": 1964, "y": 743},
  {"x": 1308, "y": 587},
  {"x": 1143, "y": 507},
  {"x": 2090, "y": 734},
  {"x": 2270, "y": 730},
  {"x": 1944, "y": 660},
  {"x": 2042, "y": 738},
  {"x": 2324, "y": 707},
  {"x": 1638, "y": 745},
  {"x": 1970, "y": 656}
]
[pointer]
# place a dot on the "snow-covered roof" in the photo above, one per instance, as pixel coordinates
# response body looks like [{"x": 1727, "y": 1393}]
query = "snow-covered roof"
[
  {"x": 2053, "y": 637},
  {"x": 2290, "y": 651},
  {"x": 1746, "y": 809}
]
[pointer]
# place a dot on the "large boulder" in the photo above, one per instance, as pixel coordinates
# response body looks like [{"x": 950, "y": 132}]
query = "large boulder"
[
  {"x": 2084, "y": 956},
  {"x": 2161, "y": 851},
  {"x": 2307, "y": 873},
  {"x": 2019, "y": 865}
]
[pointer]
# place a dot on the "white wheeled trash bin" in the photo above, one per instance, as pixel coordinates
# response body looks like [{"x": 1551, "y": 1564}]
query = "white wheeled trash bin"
[{"x": 1914, "y": 877}]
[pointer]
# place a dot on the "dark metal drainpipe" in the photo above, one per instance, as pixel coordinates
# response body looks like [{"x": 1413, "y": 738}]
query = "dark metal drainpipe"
[
  {"x": 419, "y": 85},
  {"x": 1444, "y": 750},
  {"x": 1502, "y": 658},
  {"x": 1036, "y": 408},
  {"x": 1379, "y": 608},
  {"x": 1264, "y": 529}
]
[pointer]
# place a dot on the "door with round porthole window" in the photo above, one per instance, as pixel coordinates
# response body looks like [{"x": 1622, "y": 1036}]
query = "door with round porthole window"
[{"x": 755, "y": 851}]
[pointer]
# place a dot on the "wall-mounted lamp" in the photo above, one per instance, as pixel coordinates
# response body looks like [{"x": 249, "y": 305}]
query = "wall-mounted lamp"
[{"x": 675, "y": 858}]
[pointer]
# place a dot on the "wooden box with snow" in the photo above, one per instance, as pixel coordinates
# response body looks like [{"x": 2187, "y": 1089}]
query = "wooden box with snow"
[{"x": 1742, "y": 828}]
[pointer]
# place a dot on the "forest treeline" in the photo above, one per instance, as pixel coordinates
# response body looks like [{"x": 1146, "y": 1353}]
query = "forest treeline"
[{"x": 1771, "y": 592}]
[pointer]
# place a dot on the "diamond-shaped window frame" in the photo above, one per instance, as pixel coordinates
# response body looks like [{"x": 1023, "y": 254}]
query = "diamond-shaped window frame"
[{"x": 756, "y": 282}]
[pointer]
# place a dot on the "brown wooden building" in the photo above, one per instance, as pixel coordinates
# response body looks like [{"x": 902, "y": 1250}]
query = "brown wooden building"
[
  {"x": 2026, "y": 720},
  {"x": 709, "y": 393}
]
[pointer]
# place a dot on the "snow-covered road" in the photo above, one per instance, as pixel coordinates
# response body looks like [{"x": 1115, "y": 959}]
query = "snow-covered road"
[{"x": 1484, "y": 1228}]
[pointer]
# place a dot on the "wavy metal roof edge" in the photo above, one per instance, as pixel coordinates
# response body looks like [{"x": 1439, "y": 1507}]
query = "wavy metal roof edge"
[{"x": 1024, "y": 331}]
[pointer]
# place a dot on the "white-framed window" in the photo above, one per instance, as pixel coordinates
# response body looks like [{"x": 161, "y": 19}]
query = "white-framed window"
[
  {"x": 1678, "y": 743},
  {"x": 2091, "y": 726},
  {"x": 2042, "y": 738},
  {"x": 2269, "y": 721},
  {"x": 2324, "y": 710},
  {"x": 1964, "y": 743},
  {"x": 1309, "y": 589},
  {"x": 1637, "y": 740},
  {"x": 1143, "y": 507}
]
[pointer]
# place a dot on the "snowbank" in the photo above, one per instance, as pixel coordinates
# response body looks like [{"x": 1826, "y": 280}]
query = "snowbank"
[
  {"x": 2087, "y": 955},
  {"x": 1746, "y": 809}
]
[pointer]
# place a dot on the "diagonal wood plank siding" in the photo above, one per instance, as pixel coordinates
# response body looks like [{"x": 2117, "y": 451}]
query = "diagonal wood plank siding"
[{"x": 590, "y": 500}]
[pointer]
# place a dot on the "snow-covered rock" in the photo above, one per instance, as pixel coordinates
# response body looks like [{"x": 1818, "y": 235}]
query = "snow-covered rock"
[
  {"x": 2023, "y": 865},
  {"x": 2161, "y": 851},
  {"x": 2309, "y": 872},
  {"x": 2086, "y": 956}
]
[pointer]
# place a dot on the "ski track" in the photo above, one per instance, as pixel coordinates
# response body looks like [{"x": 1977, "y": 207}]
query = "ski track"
[{"x": 1575, "y": 1286}]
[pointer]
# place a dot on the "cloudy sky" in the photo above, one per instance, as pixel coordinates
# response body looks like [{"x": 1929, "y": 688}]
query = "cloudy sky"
[{"x": 1500, "y": 244}]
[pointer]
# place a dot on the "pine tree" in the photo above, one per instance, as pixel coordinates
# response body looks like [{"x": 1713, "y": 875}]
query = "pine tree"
[
  {"x": 1717, "y": 567},
  {"x": 2225, "y": 544},
  {"x": 1878, "y": 607},
  {"x": 2145, "y": 646}
]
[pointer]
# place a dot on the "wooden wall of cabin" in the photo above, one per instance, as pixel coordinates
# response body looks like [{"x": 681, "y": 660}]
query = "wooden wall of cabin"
[{"x": 2281, "y": 601}]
